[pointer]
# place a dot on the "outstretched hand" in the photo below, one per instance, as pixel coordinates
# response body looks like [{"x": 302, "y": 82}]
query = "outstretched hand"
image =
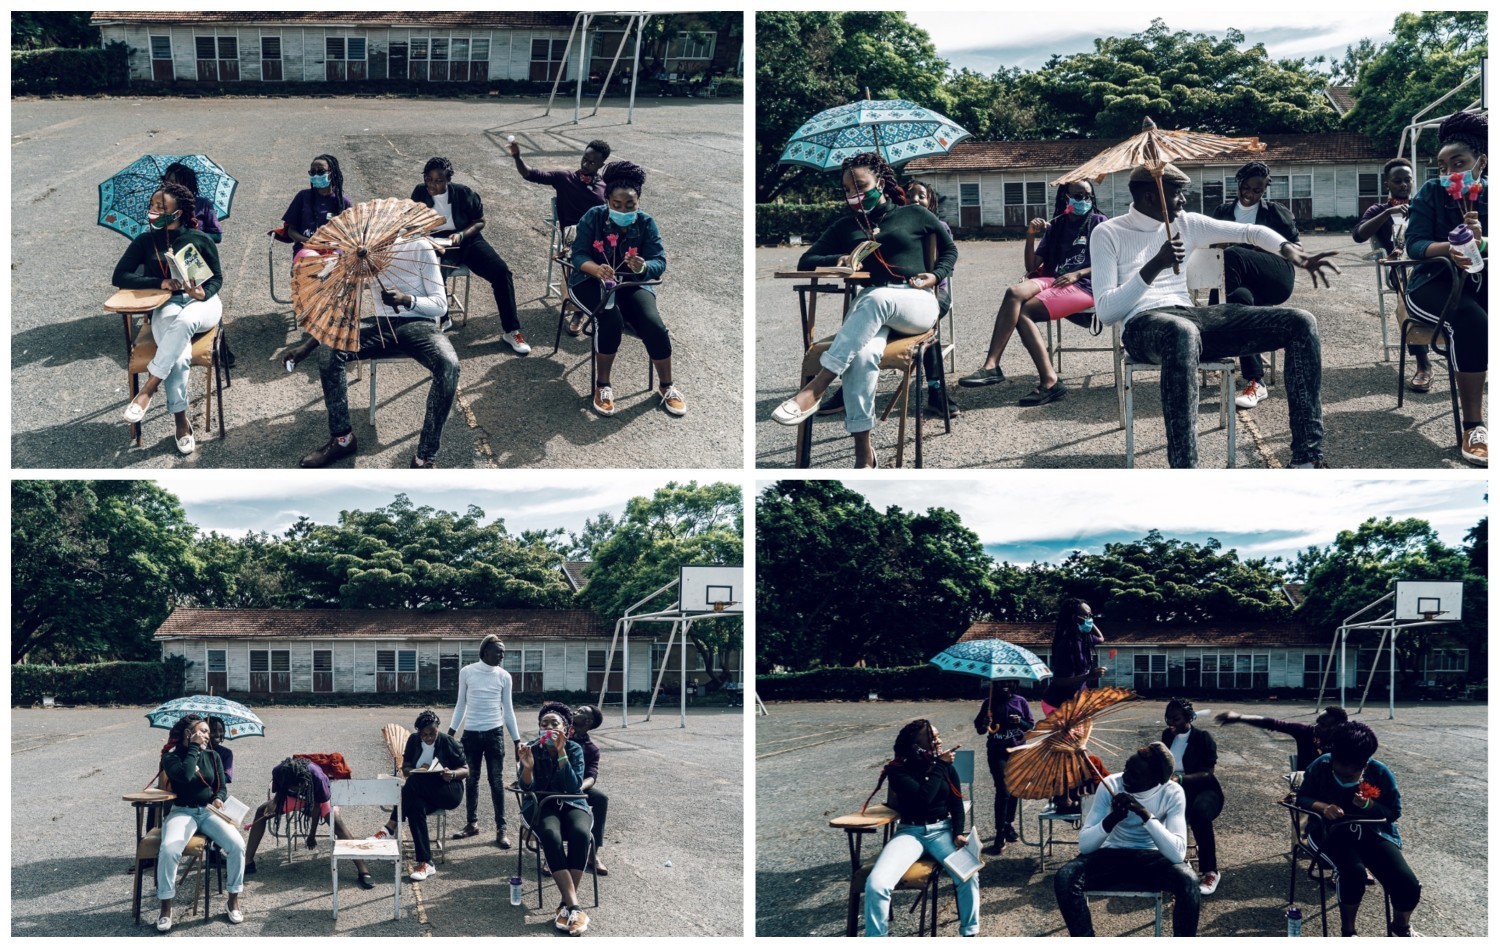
[
  {"x": 523, "y": 754},
  {"x": 1316, "y": 264}
]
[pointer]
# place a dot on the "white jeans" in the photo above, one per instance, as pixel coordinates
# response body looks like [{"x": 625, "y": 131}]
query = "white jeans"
[
  {"x": 173, "y": 326},
  {"x": 859, "y": 345},
  {"x": 178, "y": 828},
  {"x": 904, "y": 849}
]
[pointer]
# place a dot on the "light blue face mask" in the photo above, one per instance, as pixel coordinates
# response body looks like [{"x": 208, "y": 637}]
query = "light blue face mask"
[
  {"x": 1080, "y": 207},
  {"x": 1470, "y": 180},
  {"x": 622, "y": 218},
  {"x": 1350, "y": 783},
  {"x": 318, "y": 180},
  {"x": 1087, "y": 625}
]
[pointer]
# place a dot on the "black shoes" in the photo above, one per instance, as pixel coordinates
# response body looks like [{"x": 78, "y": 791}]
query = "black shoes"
[
  {"x": 330, "y": 452},
  {"x": 942, "y": 405},
  {"x": 1041, "y": 396}
]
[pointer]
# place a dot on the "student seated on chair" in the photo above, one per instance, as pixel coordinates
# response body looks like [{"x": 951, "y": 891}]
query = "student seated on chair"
[
  {"x": 407, "y": 320},
  {"x": 587, "y": 718},
  {"x": 1135, "y": 288},
  {"x": 299, "y": 787},
  {"x": 930, "y": 801},
  {"x": 434, "y": 768},
  {"x": 312, "y": 207},
  {"x": 1463, "y": 141},
  {"x": 463, "y": 213},
  {"x": 939, "y": 400},
  {"x": 1347, "y": 783},
  {"x": 616, "y": 243},
  {"x": 1196, "y": 755},
  {"x": 1384, "y": 225},
  {"x": 185, "y": 314},
  {"x": 899, "y": 298},
  {"x": 554, "y": 764},
  {"x": 197, "y": 778},
  {"x": 577, "y": 192},
  {"x": 1059, "y": 288},
  {"x": 1134, "y": 838}
]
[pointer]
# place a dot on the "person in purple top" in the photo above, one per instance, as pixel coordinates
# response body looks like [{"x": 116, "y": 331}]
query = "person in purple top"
[
  {"x": 1384, "y": 225},
  {"x": 216, "y": 741},
  {"x": 1005, "y": 717},
  {"x": 203, "y": 208},
  {"x": 577, "y": 191},
  {"x": 299, "y": 786},
  {"x": 316, "y": 205},
  {"x": 1311, "y": 738}
]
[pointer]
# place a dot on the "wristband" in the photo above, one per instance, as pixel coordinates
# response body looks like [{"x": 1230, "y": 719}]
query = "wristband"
[{"x": 1484, "y": 244}]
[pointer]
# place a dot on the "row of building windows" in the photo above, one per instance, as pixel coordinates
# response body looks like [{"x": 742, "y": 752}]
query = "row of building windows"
[{"x": 1191, "y": 671}]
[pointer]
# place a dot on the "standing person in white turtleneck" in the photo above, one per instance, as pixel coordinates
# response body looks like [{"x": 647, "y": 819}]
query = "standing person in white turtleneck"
[{"x": 485, "y": 712}]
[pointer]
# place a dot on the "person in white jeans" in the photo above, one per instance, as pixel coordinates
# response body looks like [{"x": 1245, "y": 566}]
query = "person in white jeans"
[
  {"x": 904, "y": 849},
  {"x": 173, "y": 326},
  {"x": 195, "y": 775},
  {"x": 857, "y": 349},
  {"x": 178, "y": 828}
]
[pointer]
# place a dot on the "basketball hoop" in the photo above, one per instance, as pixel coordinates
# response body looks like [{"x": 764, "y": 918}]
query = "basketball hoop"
[{"x": 1429, "y": 616}]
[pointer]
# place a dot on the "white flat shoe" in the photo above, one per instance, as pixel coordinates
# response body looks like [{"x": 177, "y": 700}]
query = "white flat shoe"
[
  {"x": 134, "y": 413},
  {"x": 235, "y": 916},
  {"x": 164, "y": 923},
  {"x": 187, "y": 444},
  {"x": 1210, "y": 885},
  {"x": 787, "y": 413}
]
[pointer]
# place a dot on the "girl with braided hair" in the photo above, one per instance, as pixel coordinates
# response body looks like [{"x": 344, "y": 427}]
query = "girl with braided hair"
[
  {"x": 196, "y": 777},
  {"x": 1059, "y": 288},
  {"x": 617, "y": 243},
  {"x": 926, "y": 792},
  {"x": 185, "y": 314},
  {"x": 1463, "y": 144},
  {"x": 899, "y": 297},
  {"x": 1252, "y": 276},
  {"x": 317, "y": 204},
  {"x": 300, "y": 794},
  {"x": 1196, "y": 755}
]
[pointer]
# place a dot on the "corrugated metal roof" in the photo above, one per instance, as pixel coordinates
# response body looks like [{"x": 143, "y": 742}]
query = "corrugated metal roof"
[
  {"x": 1034, "y": 635},
  {"x": 382, "y": 623},
  {"x": 422, "y": 18},
  {"x": 1070, "y": 153}
]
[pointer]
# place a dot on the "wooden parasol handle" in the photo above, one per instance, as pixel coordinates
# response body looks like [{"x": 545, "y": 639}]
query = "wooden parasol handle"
[{"x": 1161, "y": 193}]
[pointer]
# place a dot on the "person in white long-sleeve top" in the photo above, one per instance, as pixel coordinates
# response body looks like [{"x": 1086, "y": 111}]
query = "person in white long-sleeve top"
[
  {"x": 484, "y": 711},
  {"x": 1134, "y": 838},
  {"x": 1135, "y": 288}
]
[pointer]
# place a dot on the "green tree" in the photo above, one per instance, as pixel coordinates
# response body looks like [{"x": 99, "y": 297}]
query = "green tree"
[
  {"x": 70, "y": 30},
  {"x": 403, "y": 556},
  {"x": 1182, "y": 80},
  {"x": 248, "y": 573},
  {"x": 1364, "y": 564},
  {"x": 679, "y": 525},
  {"x": 95, "y": 568},
  {"x": 1428, "y": 54},
  {"x": 810, "y": 61}
]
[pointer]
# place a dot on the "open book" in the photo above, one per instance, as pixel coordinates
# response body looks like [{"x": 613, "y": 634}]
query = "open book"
[
  {"x": 964, "y": 863},
  {"x": 436, "y": 767},
  {"x": 188, "y": 266},
  {"x": 856, "y": 258},
  {"x": 233, "y": 809}
]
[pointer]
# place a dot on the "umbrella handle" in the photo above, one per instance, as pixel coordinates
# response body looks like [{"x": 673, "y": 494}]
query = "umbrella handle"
[{"x": 1162, "y": 194}]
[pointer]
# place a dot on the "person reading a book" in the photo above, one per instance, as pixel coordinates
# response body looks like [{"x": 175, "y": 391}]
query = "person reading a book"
[
  {"x": 171, "y": 255},
  {"x": 196, "y": 779},
  {"x": 434, "y": 768},
  {"x": 1133, "y": 838},
  {"x": 926, "y": 792},
  {"x": 405, "y": 320},
  {"x": 553, "y": 764},
  {"x": 300, "y": 792},
  {"x": 898, "y": 299},
  {"x": 463, "y": 234},
  {"x": 614, "y": 244}
]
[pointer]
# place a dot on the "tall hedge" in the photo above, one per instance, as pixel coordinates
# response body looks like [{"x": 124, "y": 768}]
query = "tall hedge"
[
  {"x": 774, "y": 223},
  {"x": 99, "y": 683},
  {"x": 37, "y": 71},
  {"x": 857, "y": 684}
]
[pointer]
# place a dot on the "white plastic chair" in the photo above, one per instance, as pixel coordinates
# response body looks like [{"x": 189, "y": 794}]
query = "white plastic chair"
[{"x": 384, "y": 793}]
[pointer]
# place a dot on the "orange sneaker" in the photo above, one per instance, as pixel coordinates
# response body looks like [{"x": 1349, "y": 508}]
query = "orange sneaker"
[
  {"x": 1476, "y": 446},
  {"x": 604, "y": 400}
]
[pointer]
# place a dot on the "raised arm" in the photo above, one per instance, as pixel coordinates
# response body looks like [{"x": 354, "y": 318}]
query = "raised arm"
[{"x": 457, "y": 721}]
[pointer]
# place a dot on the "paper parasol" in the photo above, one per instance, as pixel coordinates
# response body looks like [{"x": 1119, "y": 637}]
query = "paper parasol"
[
  {"x": 1155, "y": 149},
  {"x": 332, "y": 293},
  {"x": 1054, "y": 758}
]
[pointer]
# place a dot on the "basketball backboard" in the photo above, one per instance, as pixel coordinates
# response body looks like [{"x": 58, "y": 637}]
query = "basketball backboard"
[
  {"x": 706, "y": 589},
  {"x": 1435, "y": 602}
]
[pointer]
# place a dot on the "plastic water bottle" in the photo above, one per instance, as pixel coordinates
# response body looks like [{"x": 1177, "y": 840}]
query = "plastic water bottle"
[
  {"x": 515, "y": 890},
  {"x": 1463, "y": 239},
  {"x": 1293, "y": 922},
  {"x": 610, "y": 285}
]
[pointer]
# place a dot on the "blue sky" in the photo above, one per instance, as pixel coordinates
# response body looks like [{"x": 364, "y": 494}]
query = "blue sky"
[
  {"x": 236, "y": 503},
  {"x": 987, "y": 43},
  {"x": 1025, "y": 517}
]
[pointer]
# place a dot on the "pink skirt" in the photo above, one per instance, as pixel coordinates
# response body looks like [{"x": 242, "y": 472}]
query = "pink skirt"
[{"x": 1062, "y": 301}]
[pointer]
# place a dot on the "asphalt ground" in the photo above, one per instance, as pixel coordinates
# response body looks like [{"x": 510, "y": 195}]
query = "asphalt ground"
[
  {"x": 72, "y": 837},
  {"x": 67, "y": 356},
  {"x": 815, "y": 762},
  {"x": 1362, "y": 425}
]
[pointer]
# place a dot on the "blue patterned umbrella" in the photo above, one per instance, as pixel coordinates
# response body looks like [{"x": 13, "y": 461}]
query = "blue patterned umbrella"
[
  {"x": 992, "y": 660},
  {"x": 239, "y": 721},
  {"x": 899, "y": 130},
  {"x": 125, "y": 195}
]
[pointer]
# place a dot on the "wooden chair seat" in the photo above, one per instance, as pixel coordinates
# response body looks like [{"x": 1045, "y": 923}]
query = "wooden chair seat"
[
  {"x": 136, "y": 301},
  {"x": 899, "y": 354},
  {"x": 922, "y": 877},
  {"x": 148, "y": 849},
  {"x": 143, "y": 350},
  {"x": 914, "y": 879}
]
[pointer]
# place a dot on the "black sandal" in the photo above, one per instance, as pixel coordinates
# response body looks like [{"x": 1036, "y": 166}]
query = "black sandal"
[{"x": 364, "y": 881}]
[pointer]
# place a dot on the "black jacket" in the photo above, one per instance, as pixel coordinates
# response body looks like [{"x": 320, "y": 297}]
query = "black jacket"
[
  {"x": 923, "y": 794},
  {"x": 1201, "y": 754},
  {"x": 448, "y": 752},
  {"x": 1269, "y": 214},
  {"x": 467, "y": 207}
]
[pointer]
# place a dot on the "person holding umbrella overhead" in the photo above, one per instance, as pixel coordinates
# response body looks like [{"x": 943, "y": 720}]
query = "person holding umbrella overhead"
[{"x": 1005, "y": 717}]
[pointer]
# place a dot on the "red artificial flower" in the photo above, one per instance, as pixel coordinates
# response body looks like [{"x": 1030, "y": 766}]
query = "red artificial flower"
[
  {"x": 1474, "y": 191},
  {"x": 599, "y": 245},
  {"x": 613, "y": 239},
  {"x": 1367, "y": 791},
  {"x": 1068, "y": 209},
  {"x": 632, "y": 252}
]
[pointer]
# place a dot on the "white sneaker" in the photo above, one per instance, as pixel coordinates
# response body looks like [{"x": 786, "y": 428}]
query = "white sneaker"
[
  {"x": 1210, "y": 883},
  {"x": 1253, "y": 394},
  {"x": 514, "y": 340},
  {"x": 425, "y": 871}
]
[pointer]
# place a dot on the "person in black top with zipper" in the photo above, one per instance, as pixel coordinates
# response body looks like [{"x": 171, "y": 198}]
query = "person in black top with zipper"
[
  {"x": 463, "y": 212},
  {"x": 195, "y": 774},
  {"x": 899, "y": 297},
  {"x": 1196, "y": 755},
  {"x": 440, "y": 768},
  {"x": 925, "y": 791}
]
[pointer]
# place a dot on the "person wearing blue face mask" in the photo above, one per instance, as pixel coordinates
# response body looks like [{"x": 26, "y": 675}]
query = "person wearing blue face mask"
[
  {"x": 616, "y": 243},
  {"x": 1348, "y": 784},
  {"x": 1073, "y": 663},
  {"x": 1057, "y": 287},
  {"x": 318, "y": 203}
]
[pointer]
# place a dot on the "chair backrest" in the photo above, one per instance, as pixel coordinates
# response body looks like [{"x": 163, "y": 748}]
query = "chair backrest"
[
  {"x": 395, "y": 742},
  {"x": 963, "y": 762},
  {"x": 1205, "y": 271},
  {"x": 378, "y": 792}
]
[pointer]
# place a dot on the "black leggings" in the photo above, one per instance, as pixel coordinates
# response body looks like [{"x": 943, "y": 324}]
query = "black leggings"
[
  {"x": 599, "y": 804},
  {"x": 564, "y": 823},
  {"x": 1352, "y": 848},
  {"x": 484, "y": 262},
  {"x": 633, "y": 305},
  {"x": 421, "y": 796},
  {"x": 1253, "y": 277},
  {"x": 1204, "y": 803},
  {"x": 1469, "y": 321},
  {"x": 1005, "y": 804}
]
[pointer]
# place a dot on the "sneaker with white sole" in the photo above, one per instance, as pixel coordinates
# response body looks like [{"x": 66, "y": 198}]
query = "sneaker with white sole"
[
  {"x": 1476, "y": 446},
  {"x": 561, "y": 921},
  {"x": 514, "y": 340},
  {"x": 1210, "y": 883},
  {"x": 673, "y": 401},
  {"x": 1251, "y": 395},
  {"x": 578, "y": 922},
  {"x": 425, "y": 871},
  {"x": 604, "y": 400}
]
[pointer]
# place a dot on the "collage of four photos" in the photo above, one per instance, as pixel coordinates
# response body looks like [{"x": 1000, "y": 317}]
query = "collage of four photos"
[{"x": 473, "y": 526}]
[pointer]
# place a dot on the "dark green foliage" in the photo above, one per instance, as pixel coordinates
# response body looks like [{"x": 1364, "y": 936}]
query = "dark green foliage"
[
  {"x": 41, "y": 71},
  {"x": 1429, "y": 53},
  {"x": 731, "y": 87},
  {"x": 774, "y": 223},
  {"x": 98, "y": 683},
  {"x": 70, "y": 30}
]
